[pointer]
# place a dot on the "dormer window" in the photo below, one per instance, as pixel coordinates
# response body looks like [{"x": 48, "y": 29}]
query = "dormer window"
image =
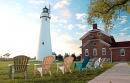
[
  {"x": 90, "y": 34},
  {"x": 98, "y": 34},
  {"x": 94, "y": 43}
]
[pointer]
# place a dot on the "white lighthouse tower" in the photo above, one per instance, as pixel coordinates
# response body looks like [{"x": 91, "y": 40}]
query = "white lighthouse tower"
[{"x": 45, "y": 48}]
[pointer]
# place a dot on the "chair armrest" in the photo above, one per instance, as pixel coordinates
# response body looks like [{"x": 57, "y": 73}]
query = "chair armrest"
[
  {"x": 28, "y": 64},
  {"x": 35, "y": 67},
  {"x": 9, "y": 64},
  {"x": 58, "y": 64},
  {"x": 77, "y": 63},
  {"x": 37, "y": 64}
]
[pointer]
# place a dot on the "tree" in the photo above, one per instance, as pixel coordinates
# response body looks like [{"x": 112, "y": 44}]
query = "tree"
[
  {"x": 79, "y": 58},
  {"x": 6, "y": 55},
  {"x": 60, "y": 57},
  {"x": 66, "y": 55},
  {"x": 74, "y": 56},
  {"x": 107, "y": 10}
]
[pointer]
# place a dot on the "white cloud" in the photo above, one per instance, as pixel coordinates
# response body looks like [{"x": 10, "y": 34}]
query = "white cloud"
[
  {"x": 124, "y": 29},
  {"x": 36, "y": 1},
  {"x": 34, "y": 15},
  {"x": 84, "y": 20},
  {"x": 17, "y": 6},
  {"x": 121, "y": 37},
  {"x": 122, "y": 34},
  {"x": 63, "y": 21},
  {"x": 123, "y": 19},
  {"x": 81, "y": 16},
  {"x": 65, "y": 13},
  {"x": 61, "y": 4},
  {"x": 82, "y": 26},
  {"x": 70, "y": 27},
  {"x": 80, "y": 34},
  {"x": 54, "y": 18},
  {"x": 63, "y": 10},
  {"x": 64, "y": 43},
  {"x": 58, "y": 20}
]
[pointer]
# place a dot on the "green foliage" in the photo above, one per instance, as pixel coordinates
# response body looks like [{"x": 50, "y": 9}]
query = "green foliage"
[
  {"x": 107, "y": 10},
  {"x": 79, "y": 58},
  {"x": 6, "y": 55},
  {"x": 74, "y": 56},
  {"x": 66, "y": 55},
  {"x": 60, "y": 57}
]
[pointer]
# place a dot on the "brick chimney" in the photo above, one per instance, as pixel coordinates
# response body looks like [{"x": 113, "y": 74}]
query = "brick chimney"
[{"x": 94, "y": 26}]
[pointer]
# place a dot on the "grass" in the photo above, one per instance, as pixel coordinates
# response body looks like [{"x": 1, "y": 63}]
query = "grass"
[{"x": 74, "y": 77}]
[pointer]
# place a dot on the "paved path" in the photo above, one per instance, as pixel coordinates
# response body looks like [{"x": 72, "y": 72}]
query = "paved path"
[{"x": 120, "y": 73}]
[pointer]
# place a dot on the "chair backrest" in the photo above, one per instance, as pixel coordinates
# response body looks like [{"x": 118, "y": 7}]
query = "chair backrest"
[
  {"x": 68, "y": 61},
  {"x": 20, "y": 63},
  {"x": 93, "y": 62},
  {"x": 102, "y": 60},
  {"x": 85, "y": 61},
  {"x": 47, "y": 62}
]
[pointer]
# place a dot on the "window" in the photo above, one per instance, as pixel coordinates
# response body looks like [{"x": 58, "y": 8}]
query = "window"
[
  {"x": 94, "y": 52},
  {"x": 86, "y": 52},
  {"x": 122, "y": 52},
  {"x": 99, "y": 34},
  {"x": 46, "y": 19},
  {"x": 90, "y": 34},
  {"x": 42, "y": 43},
  {"x": 103, "y": 51},
  {"x": 94, "y": 43}
]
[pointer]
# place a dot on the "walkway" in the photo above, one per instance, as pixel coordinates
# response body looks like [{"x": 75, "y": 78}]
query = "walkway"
[{"x": 120, "y": 73}]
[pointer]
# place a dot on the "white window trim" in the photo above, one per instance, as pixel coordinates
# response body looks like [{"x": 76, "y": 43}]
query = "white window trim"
[
  {"x": 94, "y": 50},
  {"x": 103, "y": 51},
  {"x": 86, "y": 51},
  {"x": 121, "y": 51}
]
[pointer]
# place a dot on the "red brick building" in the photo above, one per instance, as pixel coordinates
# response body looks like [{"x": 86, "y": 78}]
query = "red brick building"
[{"x": 98, "y": 43}]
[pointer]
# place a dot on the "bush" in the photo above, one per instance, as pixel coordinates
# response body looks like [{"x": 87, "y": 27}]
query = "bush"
[{"x": 60, "y": 57}]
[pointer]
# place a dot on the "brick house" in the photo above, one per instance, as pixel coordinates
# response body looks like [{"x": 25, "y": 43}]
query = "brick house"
[{"x": 98, "y": 43}]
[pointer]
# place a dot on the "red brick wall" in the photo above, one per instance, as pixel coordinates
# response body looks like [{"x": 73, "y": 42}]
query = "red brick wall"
[
  {"x": 102, "y": 37},
  {"x": 99, "y": 50},
  {"x": 116, "y": 55}
]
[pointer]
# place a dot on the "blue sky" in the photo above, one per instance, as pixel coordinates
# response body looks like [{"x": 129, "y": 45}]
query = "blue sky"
[{"x": 20, "y": 26}]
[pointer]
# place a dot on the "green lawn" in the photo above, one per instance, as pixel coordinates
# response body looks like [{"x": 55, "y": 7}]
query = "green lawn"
[{"x": 74, "y": 77}]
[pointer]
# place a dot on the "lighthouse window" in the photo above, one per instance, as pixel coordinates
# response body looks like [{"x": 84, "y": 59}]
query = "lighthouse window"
[
  {"x": 42, "y": 43},
  {"x": 46, "y": 19}
]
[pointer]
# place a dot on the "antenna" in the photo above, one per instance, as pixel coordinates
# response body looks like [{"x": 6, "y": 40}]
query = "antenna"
[{"x": 49, "y": 8}]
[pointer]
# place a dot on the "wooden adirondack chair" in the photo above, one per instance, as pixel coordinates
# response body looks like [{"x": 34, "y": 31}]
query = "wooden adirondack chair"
[
  {"x": 101, "y": 62},
  {"x": 83, "y": 64},
  {"x": 97, "y": 62},
  {"x": 66, "y": 65},
  {"x": 46, "y": 64},
  {"x": 91, "y": 65},
  {"x": 20, "y": 65}
]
